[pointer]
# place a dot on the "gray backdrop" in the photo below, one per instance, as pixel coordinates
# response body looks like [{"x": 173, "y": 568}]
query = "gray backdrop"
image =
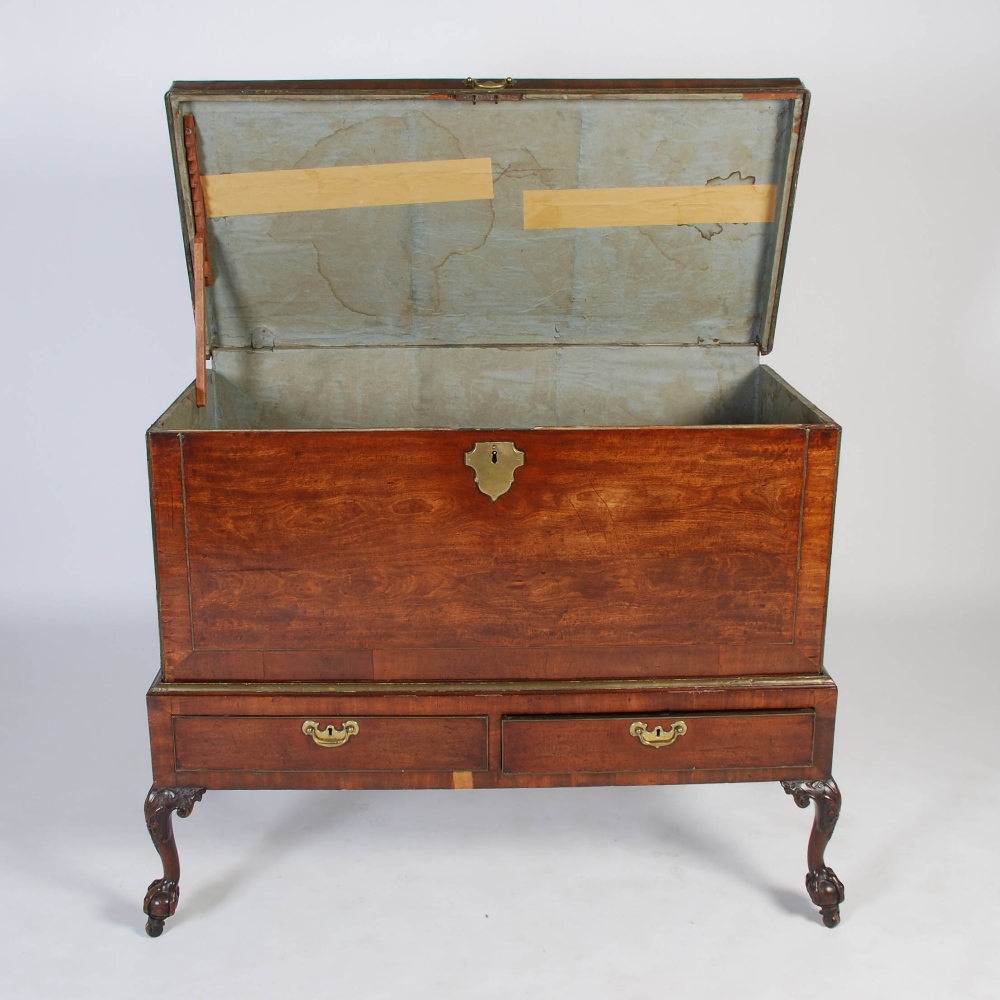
[{"x": 889, "y": 320}]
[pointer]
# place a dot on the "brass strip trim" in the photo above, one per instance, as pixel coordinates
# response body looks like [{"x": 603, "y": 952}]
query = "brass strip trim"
[
  {"x": 586, "y": 208},
  {"x": 757, "y": 683},
  {"x": 269, "y": 191}
]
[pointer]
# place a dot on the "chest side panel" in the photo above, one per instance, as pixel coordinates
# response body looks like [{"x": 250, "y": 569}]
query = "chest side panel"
[
  {"x": 166, "y": 494},
  {"x": 318, "y": 540},
  {"x": 817, "y": 541}
]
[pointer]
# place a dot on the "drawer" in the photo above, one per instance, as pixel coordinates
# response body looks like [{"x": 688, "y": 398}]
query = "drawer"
[
  {"x": 564, "y": 744},
  {"x": 374, "y": 743}
]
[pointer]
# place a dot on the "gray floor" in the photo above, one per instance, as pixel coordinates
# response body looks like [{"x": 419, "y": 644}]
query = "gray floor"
[{"x": 583, "y": 892}]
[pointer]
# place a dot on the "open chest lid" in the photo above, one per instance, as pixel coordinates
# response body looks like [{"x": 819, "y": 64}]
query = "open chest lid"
[{"x": 514, "y": 213}]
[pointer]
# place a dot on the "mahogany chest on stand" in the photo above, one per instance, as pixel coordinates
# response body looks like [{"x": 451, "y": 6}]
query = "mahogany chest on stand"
[{"x": 481, "y": 483}]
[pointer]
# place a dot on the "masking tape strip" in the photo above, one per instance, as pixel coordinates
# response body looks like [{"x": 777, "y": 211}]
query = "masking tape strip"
[
  {"x": 269, "y": 191},
  {"x": 587, "y": 208}
]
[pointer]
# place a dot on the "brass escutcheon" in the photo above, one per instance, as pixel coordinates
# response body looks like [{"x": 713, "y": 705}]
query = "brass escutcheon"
[
  {"x": 657, "y": 738},
  {"x": 330, "y": 737},
  {"x": 494, "y": 463}
]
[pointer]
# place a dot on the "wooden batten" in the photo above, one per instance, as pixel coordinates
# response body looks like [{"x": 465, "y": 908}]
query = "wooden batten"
[
  {"x": 201, "y": 264},
  {"x": 649, "y": 206},
  {"x": 313, "y": 190}
]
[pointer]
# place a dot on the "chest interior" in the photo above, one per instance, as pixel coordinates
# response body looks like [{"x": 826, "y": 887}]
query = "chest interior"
[{"x": 431, "y": 256}]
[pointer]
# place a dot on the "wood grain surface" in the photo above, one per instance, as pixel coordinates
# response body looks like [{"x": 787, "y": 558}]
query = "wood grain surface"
[
  {"x": 608, "y": 537},
  {"x": 491, "y": 662},
  {"x": 166, "y": 494},
  {"x": 560, "y": 745},
  {"x": 214, "y": 703},
  {"x": 381, "y": 744},
  {"x": 584, "y": 662},
  {"x": 817, "y": 540}
]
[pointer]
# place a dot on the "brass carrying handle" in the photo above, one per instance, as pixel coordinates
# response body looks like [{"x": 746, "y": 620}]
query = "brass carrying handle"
[
  {"x": 330, "y": 737},
  {"x": 657, "y": 738},
  {"x": 488, "y": 85}
]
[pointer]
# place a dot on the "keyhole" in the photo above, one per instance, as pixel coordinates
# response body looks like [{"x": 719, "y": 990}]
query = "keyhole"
[{"x": 494, "y": 456}]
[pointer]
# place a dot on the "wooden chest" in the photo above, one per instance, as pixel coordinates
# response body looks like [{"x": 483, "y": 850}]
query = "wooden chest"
[{"x": 480, "y": 482}]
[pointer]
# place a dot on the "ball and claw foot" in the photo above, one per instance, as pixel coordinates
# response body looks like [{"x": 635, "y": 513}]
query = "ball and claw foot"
[
  {"x": 162, "y": 894},
  {"x": 827, "y": 892},
  {"x": 824, "y": 888},
  {"x": 160, "y": 903}
]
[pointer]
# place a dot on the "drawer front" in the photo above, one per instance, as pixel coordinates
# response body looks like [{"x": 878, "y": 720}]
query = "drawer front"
[
  {"x": 559, "y": 745},
  {"x": 440, "y": 743}
]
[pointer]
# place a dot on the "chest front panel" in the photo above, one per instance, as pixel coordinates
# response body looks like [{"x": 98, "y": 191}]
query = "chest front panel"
[{"x": 345, "y": 540}]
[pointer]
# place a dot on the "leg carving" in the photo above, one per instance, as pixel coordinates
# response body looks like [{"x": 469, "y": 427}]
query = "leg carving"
[
  {"x": 161, "y": 897},
  {"x": 823, "y": 886}
]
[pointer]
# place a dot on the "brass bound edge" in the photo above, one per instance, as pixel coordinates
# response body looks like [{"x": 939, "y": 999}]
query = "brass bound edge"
[{"x": 746, "y": 682}]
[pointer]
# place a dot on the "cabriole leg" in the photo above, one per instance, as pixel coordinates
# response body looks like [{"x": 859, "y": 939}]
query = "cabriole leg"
[
  {"x": 823, "y": 886},
  {"x": 161, "y": 897}
]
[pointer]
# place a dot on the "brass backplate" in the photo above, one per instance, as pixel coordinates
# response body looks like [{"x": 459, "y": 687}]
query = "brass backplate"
[
  {"x": 494, "y": 463},
  {"x": 330, "y": 737},
  {"x": 658, "y": 736}
]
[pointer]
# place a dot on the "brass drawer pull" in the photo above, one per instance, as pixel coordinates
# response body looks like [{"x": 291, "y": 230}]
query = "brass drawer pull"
[
  {"x": 657, "y": 738},
  {"x": 329, "y": 737}
]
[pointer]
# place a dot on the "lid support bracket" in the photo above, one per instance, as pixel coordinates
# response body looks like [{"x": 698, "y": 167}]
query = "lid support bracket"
[
  {"x": 201, "y": 265},
  {"x": 198, "y": 265}
]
